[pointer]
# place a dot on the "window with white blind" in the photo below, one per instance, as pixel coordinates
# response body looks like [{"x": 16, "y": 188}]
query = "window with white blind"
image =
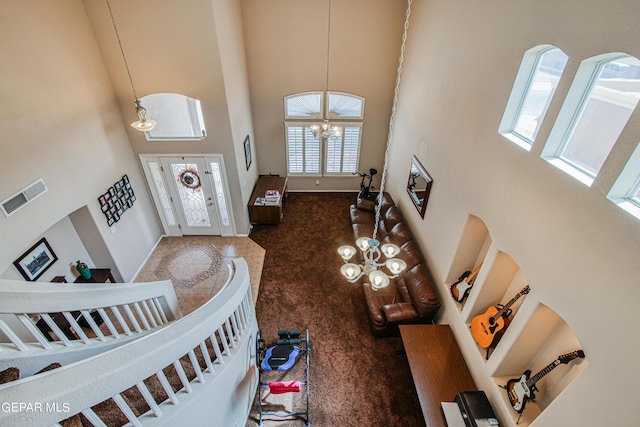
[
  {"x": 303, "y": 150},
  {"x": 343, "y": 152},
  {"x": 340, "y": 151}
]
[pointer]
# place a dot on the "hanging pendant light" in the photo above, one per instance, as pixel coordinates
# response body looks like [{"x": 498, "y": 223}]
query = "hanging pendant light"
[
  {"x": 370, "y": 246},
  {"x": 326, "y": 130},
  {"x": 142, "y": 124}
]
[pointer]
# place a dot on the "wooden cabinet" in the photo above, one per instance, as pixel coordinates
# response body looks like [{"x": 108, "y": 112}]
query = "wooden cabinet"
[
  {"x": 267, "y": 214},
  {"x": 438, "y": 368}
]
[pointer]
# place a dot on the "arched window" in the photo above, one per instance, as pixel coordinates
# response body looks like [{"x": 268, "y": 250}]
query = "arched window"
[
  {"x": 626, "y": 191},
  {"x": 179, "y": 117},
  {"x": 306, "y": 105},
  {"x": 603, "y": 96},
  {"x": 535, "y": 84},
  {"x": 308, "y": 151}
]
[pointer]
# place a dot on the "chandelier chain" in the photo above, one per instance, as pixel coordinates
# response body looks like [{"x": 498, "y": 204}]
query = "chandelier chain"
[
  {"x": 124, "y": 58},
  {"x": 328, "y": 47},
  {"x": 392, "y": 118}
]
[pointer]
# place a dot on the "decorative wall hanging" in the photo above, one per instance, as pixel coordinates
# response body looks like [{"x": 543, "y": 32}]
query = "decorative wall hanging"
[
  {"x": 36, "y": 260},
  {"x": 247, "y": 151},
  {"x": 190, "y": 179},
  {"x": 117, "y": 200}
]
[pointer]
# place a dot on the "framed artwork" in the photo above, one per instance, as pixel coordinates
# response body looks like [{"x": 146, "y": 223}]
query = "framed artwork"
[
  {"x": 419, "y": 185},
  {"x": 118, "y": 198},
  {"x": 247, "y": 151},
  {"x": 36, "y": 260}
]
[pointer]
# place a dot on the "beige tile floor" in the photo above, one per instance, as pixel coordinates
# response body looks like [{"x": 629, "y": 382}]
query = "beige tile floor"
[{"x": 197, "y": 266}]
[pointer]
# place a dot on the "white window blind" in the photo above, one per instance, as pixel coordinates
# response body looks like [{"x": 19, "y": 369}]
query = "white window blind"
[
  {"x": 343, "y": 152},
  {"x": 306, "y": 105},
  {"x": 345, "y": 105},
  {"x": 303, "y": 151},
  {"x": 306, "y": 153}
]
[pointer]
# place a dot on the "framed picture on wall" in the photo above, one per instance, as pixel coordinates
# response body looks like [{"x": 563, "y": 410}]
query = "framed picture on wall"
[
  {"x": 118, "y": 198},
  {"x": 36, "y": 260},
  {"x": 247, "y": 151}
]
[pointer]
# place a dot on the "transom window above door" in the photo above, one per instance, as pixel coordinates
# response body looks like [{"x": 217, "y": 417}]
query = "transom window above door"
[
  {"x": 179, "y": 117},
  {"x": 323, "y": 128}
]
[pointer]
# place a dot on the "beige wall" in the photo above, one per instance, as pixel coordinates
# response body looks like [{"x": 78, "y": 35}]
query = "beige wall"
[
  {"x": 176, "y": 48},
  {"x": 59, "y": 121},
  {"x": 286, "y": 43},
  {"x": 578, "y": 251},
  {"x": 228, "y": 17}
]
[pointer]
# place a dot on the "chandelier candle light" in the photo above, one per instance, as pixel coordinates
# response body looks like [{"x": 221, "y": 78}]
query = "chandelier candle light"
[
  {"x": 370, "y": 247},
  {"x": 142, "y": 124}
]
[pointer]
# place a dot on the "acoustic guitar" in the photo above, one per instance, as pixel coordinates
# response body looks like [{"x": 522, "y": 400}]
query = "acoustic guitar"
[
  {"x": 460, "y": 289},
  {"x": 521, "y": 390},
  {"x": 485, "y": 326}
]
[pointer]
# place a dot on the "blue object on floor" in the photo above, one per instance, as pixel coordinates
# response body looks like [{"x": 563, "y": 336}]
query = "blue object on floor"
[{"x": 280, "y": 358}]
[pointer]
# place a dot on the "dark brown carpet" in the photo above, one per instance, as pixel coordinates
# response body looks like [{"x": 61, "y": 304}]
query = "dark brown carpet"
[{"x": 355, "y": 379}]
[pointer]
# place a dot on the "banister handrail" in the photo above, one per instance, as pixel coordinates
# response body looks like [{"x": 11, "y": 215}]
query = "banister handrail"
[
  {"x": 128, "y": 309},
  {"x": 40, "y": 297},
  {"x": 83, "y": 384}
]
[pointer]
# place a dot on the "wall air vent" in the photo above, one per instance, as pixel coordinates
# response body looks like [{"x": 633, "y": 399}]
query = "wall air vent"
[{"x": 23, "y": 197}]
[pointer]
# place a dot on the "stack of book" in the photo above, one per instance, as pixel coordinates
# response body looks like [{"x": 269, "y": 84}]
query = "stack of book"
[{"x": 272, "y": 198}]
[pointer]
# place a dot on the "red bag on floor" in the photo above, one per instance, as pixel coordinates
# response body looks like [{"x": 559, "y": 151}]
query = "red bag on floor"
[{"x": 284, "y": 387}]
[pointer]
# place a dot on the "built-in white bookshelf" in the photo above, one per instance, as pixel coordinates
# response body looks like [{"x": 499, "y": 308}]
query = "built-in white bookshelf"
[{"x": 534, "y": 337}]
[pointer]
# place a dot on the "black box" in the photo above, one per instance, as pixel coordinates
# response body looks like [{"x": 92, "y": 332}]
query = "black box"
[{"x": 474, "y": 407}]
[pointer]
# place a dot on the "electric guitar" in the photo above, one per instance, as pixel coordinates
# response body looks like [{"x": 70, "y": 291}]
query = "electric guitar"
[
  {"x": 485, "y": 326},
  {"x": 520, "y": 390},
  {"x": 461, "y": 288}
]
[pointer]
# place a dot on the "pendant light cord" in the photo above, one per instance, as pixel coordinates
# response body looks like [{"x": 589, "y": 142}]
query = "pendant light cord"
[
  {"x": 392, "y": 118},
  {"x": 328, "y": 49},
  {"x": 124, "y": 58}
]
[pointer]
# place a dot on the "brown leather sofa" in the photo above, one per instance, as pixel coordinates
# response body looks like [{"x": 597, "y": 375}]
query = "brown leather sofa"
[{"x": 410, "y": 297}]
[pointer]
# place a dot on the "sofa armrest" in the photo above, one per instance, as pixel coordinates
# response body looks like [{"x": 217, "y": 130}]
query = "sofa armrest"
[
  {"x": 366, "y": 205},
  {"x": 399, "y": 312}
]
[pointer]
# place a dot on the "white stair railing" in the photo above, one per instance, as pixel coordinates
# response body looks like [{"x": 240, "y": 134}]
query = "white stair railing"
[
  {"x": 203, "y": 365},
  {"x": 39, "y": 319}
]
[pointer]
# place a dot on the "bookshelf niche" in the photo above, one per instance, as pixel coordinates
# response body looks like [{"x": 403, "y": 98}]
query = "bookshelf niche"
[{"x": 534, "y": 337}]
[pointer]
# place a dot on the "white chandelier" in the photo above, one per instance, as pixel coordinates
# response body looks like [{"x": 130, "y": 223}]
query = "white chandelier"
[
  {"x": 370, "y": 246},
  {"x": 326, "y": 130},
  {"x": 371, "y": 252},
  {"x": 142, "y": 124}
]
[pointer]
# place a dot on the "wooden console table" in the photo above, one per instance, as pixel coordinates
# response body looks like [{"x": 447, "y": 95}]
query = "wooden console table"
[
  {"x": 439, "y": 371},
  {"x": 266, "y": 214},
  {"x": 98, "y": 275}
]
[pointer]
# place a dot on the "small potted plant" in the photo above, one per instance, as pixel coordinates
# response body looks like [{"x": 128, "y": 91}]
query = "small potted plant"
[{"x": 83, "y": 269}]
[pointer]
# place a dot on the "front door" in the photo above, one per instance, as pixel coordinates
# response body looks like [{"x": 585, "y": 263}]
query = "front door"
[{"x": 193, "y": 195}]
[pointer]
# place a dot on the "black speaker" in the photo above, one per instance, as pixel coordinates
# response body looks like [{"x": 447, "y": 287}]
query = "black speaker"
[{"x": 476, "y": 409}]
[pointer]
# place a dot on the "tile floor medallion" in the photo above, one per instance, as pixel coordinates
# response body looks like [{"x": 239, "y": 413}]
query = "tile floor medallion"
[
  {"x": 198, "y": 266},
  {"x": 190, "y": 265}
]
